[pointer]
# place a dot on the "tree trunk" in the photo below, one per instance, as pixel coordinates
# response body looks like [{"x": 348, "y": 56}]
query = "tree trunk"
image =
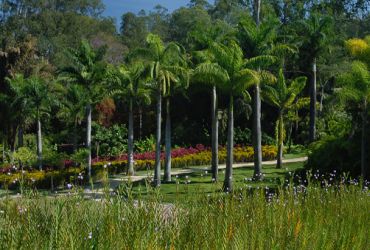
[
  {"x": 20, "y": 136},
  {"x": 257, "y": 11},
  {"x": 313, "y": 103},
  {"x": 322, "y": 99},
  {"x": 257, "y": 131},
  {"x": 130, "y": 160},
  {"x": 289, "y": 140},
  {"x": 88, "y": 139},
  {"x": 39, "y": 144},
  {"x": 157, "y": 167},
  {"x": 140, "y": 122},
  {"x": 4, "y": 147},
  {"x": 214, "y": 135},
  {"x": 75, "y": 137},
  {"x": 363, "y": 144},
  {"x": 257, "y": 134},
  {"x": 167, "y": 168},
  {"x": 280, "y": 140},
  {"x": 228, "y": 183}
]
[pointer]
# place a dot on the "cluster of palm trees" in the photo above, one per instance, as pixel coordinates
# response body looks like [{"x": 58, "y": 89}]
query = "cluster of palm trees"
[{"x": 231, "y": 65}]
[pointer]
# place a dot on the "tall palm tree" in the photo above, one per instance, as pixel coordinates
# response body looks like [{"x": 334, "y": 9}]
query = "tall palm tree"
[
  {"x": 88, "y": 70},
  {"x": 258, "y": 40},
  {"x": 35, "y": 94},
  {"x": 166, "y": 63},
  {"x": 178, "y": 85},
  {"x": 315, "y": 39},
  {"x": 201, "y": 56},
  {"x": 210, "y": 73},
  {"x": 234, "y": 77},
  {"x": 129, "y": 83},
  {"x": 73, "y": 104},
  {"x": 282, "y": 96},
  {"x": 355, "y": 86},
  {"x": 14, "y": 114}
]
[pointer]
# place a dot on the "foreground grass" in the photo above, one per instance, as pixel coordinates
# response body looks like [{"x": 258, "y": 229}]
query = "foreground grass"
[{"x": 297, "y": 218}]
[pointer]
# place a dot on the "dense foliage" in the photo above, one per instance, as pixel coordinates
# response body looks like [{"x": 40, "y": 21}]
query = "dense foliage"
[{"x": 68, "y": 76}]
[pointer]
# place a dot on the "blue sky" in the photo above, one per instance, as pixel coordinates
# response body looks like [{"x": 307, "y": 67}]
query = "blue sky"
[{"x": 116, "y": 8}]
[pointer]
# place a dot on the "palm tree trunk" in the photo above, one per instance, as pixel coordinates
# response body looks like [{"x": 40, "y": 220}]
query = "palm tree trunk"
[
  {"x": 257, "y": 134},
  {"x": 363, "y": 143},
  {"x": 167, "y": 168},
  {"x": 157, "y": 167},
  {"x": 88, "y": 139},
  {"x": 4, "y": 141},
  {"x": 20, "y": 136},
  {"x": 257, "y": 11},
  {"x": 75, "y": 136},
  {"x": 313, "y": 103},
  {"x": 130, "y": 160},
  {"x": 257, "y": 131},
  {"x": 289, "y": 139},
  {"x": 39, "y": 144},
  {"x": 230, "y": 147},
  {"x": 322, "y": 100},
  {"x": 214, "y": 135},
  {"x": 280, "y": 141},
  {"x": 140, "y": 122}
]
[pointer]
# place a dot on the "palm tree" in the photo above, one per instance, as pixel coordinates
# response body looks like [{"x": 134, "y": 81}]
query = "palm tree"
[
  {"x": 258, "y": 43},
  {"x": 234, "y": 77},
  {"x": 74, "y": 100},
  {"x": 210, "y": 73},
  {"x": 88, "y": 70},
  {"x": 178, "y": 85},
  {"x": 204, "y": 74},
  {"x": 282, "y": 96},
  {"x": 35, "y": 94},
  {"x": 314, "y": 30},
  {"x": 129, "y": 82},
  {"x": 13, "y": 113},
  {"x": 355, "y": 86},
  {"x": 165, "y": 66}
]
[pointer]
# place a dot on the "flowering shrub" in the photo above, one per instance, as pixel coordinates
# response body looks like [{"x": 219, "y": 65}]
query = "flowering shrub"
[
  {"x": 11, "y": 177},
  {"x": 185, "y": 157}
]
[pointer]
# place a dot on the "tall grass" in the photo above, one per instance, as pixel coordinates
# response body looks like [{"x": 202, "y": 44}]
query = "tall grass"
[{"x": 297, "y": 218}]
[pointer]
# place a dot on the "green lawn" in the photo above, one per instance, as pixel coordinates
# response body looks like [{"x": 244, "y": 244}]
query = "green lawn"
[{"x": 192, "y": 185}]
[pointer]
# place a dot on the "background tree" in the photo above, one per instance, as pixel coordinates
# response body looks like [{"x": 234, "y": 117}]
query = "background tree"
[
  {"x": 355, "y": 86},
  {"x": 236, "y": 79},
  {"x": 257, "y": 41},
  {"x": 282, "y": 96},
  {"x": 88, "y": 70},
  {"x": 164, "y": 63},
  {"x": 35, "y": 94},
  {"x": 207, "y": 72},
  {"x": 315, "y": 31},
  {"x": 130, "y": 84},
  {"x": 73, "y": 101}
]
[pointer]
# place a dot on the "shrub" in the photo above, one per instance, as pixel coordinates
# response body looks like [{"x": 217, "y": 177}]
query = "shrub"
[
  {"x": 109, "y": 141},
  {"x": 338, "y": 154},
  {"x": 183, "y": 157}
]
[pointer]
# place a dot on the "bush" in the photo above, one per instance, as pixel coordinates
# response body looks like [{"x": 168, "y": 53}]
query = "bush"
[
  {"x": 145, "y": 145},
  {"x": 338, "y": 154},
  {"x": 109, "y": 141},
  {"x": 182, "y": 158}
]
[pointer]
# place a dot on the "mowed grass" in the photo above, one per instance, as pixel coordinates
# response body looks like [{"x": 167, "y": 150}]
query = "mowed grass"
[{"x": 200, "y": 182}]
